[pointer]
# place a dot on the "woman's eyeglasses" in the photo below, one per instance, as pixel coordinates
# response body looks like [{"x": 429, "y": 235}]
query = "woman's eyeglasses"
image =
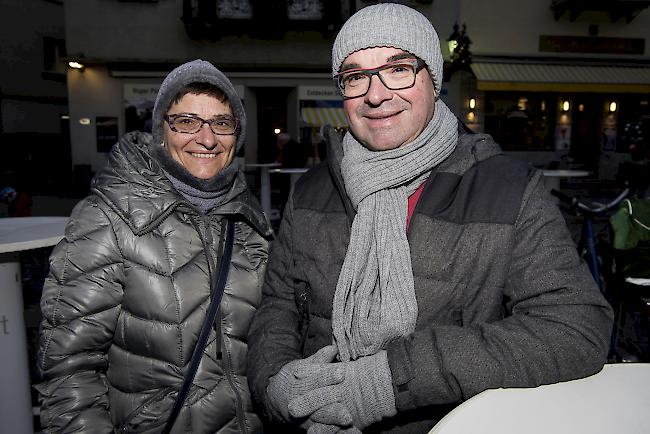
[{"x": 190, "y": 124}]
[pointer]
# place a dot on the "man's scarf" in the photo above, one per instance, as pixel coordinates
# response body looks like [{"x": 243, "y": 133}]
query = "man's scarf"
[{"x": 374, "y": 301}]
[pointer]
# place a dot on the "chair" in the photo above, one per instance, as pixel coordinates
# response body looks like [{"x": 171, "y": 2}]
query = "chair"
[{"x": 615, "y": 400}]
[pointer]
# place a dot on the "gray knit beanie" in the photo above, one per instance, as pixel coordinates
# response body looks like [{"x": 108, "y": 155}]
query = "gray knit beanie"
[
  {"x": 196, "y": 71},
  {"x": 390, "y": 25}
]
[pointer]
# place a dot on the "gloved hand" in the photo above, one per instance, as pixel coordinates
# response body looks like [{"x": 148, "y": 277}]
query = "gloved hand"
[
  {"x": 366, "y": 391},
  {"x": 331, "y": 419},
  {"x": 285, "y": 385},
  {"x": 319, "y": 428}
]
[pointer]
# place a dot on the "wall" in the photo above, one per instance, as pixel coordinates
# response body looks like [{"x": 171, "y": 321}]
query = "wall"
[
  {"x": 512, "y": 27},
  {"x": 29, "y": 103},
  {"x": 92, "y": 93},
  {"x": 154, "y": 32}
]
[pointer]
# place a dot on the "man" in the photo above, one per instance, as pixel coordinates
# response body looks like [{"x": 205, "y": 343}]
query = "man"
[
  {"x": 289, "y": 153},
  {"x": 420, "y": 266}
]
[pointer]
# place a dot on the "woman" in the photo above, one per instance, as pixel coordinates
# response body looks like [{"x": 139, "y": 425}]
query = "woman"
[{"x": 130, "y": 284}]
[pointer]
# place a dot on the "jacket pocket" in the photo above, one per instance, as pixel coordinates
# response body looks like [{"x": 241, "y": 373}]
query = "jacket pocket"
[{"x": 151, "y": 415}]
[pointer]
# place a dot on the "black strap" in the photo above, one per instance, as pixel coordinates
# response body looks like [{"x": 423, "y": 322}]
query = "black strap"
[{"x": 215, "y": 300}]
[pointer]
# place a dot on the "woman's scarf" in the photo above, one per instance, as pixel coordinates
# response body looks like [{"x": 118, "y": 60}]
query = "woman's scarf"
[{"x": 205, "y": 194}]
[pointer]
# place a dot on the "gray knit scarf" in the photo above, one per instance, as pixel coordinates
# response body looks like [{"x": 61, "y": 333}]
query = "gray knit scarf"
[
  {"x": 205, "y": 200},
  {"x": 374, "y": 301}
]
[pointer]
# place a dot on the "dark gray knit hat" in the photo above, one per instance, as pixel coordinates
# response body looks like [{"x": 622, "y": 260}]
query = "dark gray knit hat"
[
  {"x": 196, "y": 71},
  {"x": 390, "y": 25}
]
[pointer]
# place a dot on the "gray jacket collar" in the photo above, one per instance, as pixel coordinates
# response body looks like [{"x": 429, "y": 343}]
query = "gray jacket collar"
[{"x": 471, "y": 149}]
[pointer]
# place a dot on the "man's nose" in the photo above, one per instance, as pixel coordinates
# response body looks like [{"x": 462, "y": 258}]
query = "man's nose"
[
  {"x": 206, "y": 137},
  {"x": 377, "y": 92}
]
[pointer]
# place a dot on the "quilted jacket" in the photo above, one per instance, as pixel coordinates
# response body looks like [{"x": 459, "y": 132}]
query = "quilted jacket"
[
  {"x": 126, "y": 296},
  {"x": 503, "y": 298}
]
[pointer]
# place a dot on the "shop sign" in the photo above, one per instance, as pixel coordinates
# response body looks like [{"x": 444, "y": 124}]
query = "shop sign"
[
  {"x": 591, "y": 44},
  {"x": 318, "y": 93}
]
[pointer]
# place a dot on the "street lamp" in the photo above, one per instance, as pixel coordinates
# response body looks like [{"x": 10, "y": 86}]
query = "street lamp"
[
  {"x": 459, "y": 55},
  {"x": 452, "y": 41}
]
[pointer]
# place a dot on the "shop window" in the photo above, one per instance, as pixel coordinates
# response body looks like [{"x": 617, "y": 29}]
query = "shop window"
[
  {"x": 633, "y": 123},
  {"x": 53, "y": 53}
]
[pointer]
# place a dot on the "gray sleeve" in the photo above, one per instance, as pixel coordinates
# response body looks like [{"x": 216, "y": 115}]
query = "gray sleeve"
[
  {"x": 80, "y": 304},
  {"x": 557, "y": 325},
  {"x": 274, "y": 337}
]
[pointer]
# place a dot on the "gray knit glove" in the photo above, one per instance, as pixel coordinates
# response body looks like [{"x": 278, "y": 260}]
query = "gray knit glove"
[
  {"x": 320, "y": 428},
  {"x": 366, "y": 392},
  {"x": 285, "y": 385},
  {"x": 330, "y": 419}
]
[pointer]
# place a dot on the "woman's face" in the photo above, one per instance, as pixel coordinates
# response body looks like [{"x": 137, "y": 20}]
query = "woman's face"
[{"x": 204, "y": 153}]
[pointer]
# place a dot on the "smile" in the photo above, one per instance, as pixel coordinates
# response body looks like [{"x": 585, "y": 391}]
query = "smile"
[
  {"x": 380, "y": 116},
  {"x": 197, "y": 155}
]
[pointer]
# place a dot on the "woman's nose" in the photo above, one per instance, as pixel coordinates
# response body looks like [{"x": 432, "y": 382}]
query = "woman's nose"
[{"x": 206, "y": 137}]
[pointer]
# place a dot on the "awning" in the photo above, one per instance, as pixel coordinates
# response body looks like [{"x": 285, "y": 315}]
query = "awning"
[
  {"x": 319, "y": 116},
  {"x": 549, "y": 77}
]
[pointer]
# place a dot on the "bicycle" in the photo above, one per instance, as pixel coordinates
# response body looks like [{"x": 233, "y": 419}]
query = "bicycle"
[
  {"x": 587, "y": 244},
  {"x": 599, "y": 260}
]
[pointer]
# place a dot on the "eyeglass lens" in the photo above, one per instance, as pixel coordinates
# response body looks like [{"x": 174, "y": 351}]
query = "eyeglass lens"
[
  {"x": 394, "y": 76},
  {"x": 192, "y": 124}
]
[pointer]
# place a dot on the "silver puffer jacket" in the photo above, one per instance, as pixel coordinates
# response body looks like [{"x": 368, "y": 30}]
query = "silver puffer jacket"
[{"x": 126, "y": 296}]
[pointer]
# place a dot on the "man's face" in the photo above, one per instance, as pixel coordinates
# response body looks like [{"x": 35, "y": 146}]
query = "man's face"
[{"x": 386, "y": 119}]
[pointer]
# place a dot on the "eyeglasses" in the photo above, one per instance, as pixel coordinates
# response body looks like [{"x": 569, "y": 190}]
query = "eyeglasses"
[
  {"x": 394, "y": 75},
  {"x": 190, "y": 124}
]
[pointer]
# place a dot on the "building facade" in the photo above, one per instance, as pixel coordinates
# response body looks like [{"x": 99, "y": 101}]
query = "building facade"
[
  {"x": 277, "y": 53},
  {"x": 562, "y": 81}
]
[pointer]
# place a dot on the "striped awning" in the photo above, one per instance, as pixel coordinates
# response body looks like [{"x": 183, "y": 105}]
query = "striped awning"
[
  {"x": 319, "y": 116},
  {"x": 549, "y": 77}
]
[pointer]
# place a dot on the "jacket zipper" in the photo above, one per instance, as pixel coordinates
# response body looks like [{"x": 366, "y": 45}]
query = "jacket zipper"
[
  {"x": 198, "y": 227},
  {"x": 226, "y": 359},
  {"x": 230, "y": 375}
]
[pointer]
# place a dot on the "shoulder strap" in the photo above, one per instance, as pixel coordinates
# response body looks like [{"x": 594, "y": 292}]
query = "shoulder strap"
[{"x": 215, "y": 300}]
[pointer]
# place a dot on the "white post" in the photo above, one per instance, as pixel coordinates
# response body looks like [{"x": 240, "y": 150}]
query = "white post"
[
  {"x": 15, "y": 399},
  {"x": 265, "y": 191}
]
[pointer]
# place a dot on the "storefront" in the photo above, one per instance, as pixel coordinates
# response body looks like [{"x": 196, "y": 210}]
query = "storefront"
[
  {"x": 576, "y": 111},
  {"x": 319, "y": 106}
]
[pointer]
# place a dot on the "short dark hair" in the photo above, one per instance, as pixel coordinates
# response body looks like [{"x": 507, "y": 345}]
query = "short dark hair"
[{"x": 200, "y": 88}]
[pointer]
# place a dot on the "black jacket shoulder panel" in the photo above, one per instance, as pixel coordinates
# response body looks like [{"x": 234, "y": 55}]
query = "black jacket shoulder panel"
[
  {"x": 477, "y": 184},
  {"x": 490, "y": 191}
]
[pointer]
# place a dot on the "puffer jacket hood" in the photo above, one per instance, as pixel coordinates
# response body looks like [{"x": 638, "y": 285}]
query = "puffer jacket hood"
[{"x": 135, "y": 186}]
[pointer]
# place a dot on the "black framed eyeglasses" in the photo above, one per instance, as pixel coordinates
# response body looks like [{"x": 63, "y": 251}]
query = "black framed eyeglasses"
[
  {"x": 396, "y": 75},
  {"x": 190, "y": 124}
]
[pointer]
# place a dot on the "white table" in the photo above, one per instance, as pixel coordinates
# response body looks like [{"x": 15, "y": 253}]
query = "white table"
[
  {"x": 265, "y": 184},
  {"x": 552, "y": 177},
  {"x": 294, "y": 172},
  {"x": 16, "y": 234},
  {"x": 615, "y": 400}
]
